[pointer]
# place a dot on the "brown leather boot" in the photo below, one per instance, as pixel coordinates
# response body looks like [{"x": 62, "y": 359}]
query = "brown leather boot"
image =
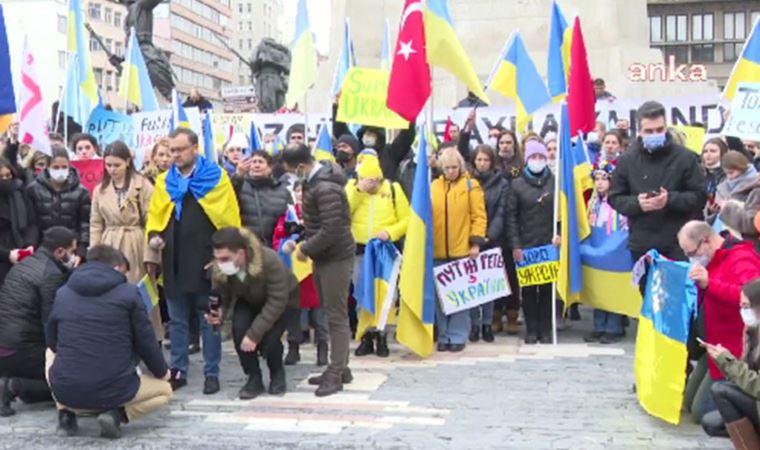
[
  {"x": 497, "y": 326},
  {"x": 743, "y": 434},
  {"x": 331, "y": 384},
  {"x": 513, "y": 328}
]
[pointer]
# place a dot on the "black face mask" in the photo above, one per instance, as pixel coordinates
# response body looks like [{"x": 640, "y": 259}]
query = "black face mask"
[
  {"x": 342, "y": 158},
  {"x": 7, "y": 186}
]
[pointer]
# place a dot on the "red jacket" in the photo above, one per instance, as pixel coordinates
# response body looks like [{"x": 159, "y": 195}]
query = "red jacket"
[
  {"x": 309, "y": 294},
  {"x": 732, "y": 266}
]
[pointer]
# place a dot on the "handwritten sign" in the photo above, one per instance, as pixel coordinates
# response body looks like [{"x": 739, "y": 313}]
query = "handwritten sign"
[
  {"x": 109, "y": 126},
  {"x": 540, "y": 265},
  {"x": 363, "y": 98},
  {"x": 744, "y": 121},
  {"x": 90, "y": 172},
  {"x": 151, "y": 127},
  {"x": 695, "y": 137},
  {"x": 467, "y": 283}
]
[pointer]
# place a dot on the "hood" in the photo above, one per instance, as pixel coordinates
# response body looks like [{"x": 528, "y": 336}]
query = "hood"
[
  {"x": 94, "y": 279},
  {"x": 486, "y": 179},
  {"x": 72, "y": 182},
  {"x": 330, "y": 172},
  {"x": 255, "y": 265},
  {"x": 377, "y": 130}
]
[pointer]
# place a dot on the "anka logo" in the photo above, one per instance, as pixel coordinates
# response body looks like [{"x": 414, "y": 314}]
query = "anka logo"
[{"x": 667, "y": 72}]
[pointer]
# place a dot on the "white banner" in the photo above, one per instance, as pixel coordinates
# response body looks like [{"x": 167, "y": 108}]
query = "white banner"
[
  {"x": 150, "y": 127},
  {"x": 744, "y": 121},
  {"x": 467, "y": 283}
]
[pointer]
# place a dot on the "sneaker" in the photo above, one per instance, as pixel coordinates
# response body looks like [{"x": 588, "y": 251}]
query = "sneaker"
[
  {"x": 193, "y": 349},
  {"x": 211, "y": 385},
  {"x": 487, "y": 334},
  {"x": 367, "y": 345},
  {"x": 346, "y": 378},
  {"x": 110, "y": 423},
  {"x": 443, "y": 347},
  {"x": 293, "y": 355},
  {"x": 382, "y": 345},
  {"x": 67, "y": 424},
  {"x": 456, "y": 347},
  {"x": 253, "y": 388},
  {"x": 6, "y": 398},
  {"x": 474, "y": 333},
  {"x": 331, "y": 384},
  {"x": 176, "y": 380}
]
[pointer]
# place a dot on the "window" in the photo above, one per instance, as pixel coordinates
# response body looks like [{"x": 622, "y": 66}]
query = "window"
[
  {"x": 250, "y": 26},
  {"x": 63, "y": 24},
  {"x": 702, "y": 27},
  {"x": 675, "y": 28},
  {"x": 655, "y": 29},
  {"x": 250, "y": 44},
  {"x": 94, "y": 11},
  {"x": 681, "y": 53},
  {"x": 703, "y": 53},
  {"x": 118, "y": 49},
  {"x": 733, "y": 30},
  {"x": 240, "y": 7},
  {"x": 99, "y": 77},
  {"x": 753, "y": 18},
  {"x": 117, "y": 19},
  {"x": 61, "y": 60},
  {"x": 240, "y": 44},
  {"x": 249, "y": 7},
  {"x": 94, "y": 46},
  {"x": 108, "y": 16},
  {"x": 109, "y": 45},
  {"x": 240, "y": 26},
  {"x": 107, "y": 80}
]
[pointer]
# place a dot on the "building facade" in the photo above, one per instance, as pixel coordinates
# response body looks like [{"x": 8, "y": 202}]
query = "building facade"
[
  {"x": 106, "y": 17},
  {"x": 252, "y": 21}
]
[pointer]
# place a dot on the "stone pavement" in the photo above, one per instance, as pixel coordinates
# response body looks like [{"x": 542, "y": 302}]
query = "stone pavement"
[{"x": 503, "y": 395}]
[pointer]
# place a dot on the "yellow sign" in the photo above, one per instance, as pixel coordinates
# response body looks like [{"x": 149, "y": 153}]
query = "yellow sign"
[
  {"x": 362, "y": 99},
  {"x": 543, "y": 273},
  {"x": 695, "y": 137}
]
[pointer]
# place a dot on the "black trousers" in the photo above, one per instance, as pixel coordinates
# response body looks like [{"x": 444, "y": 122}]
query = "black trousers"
[
  {"x": 537, "y": 309},
  {"x": 270, "y": 346},
  {"x": 513, "y": 301},
  {"x": 27, "y": 369},
  {"x": 734, "y": 404}
]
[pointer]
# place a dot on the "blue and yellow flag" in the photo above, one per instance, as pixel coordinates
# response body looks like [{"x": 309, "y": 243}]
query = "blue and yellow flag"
[
  {"x": 661, "y": 354},
  {"x": 572, "y": 212},
  {"x": 416, "y": 283},
  {"x": 346, "y": 60},
  {"x": 444, "y": 49},
  {"x": 179, "y": 119},
  {"x": 148, "y": 292},
  {"x": 515, "y": 76},
  {"x": 303, "y": 63},
  {"x": 385, "y": 51},
  {"x": 323, "y": 149},
  {"x": 560, "y": 38},
  {"x": 135, "y": 85},
  {"x": 82, "y": 97},
  {"x": 208, "y": 137},
  {"x": 7, "y": 96},
  {"x": 747, "y": 67},
  {"x": 255, "y": 140},
  {"x": 376, "y": 286}
]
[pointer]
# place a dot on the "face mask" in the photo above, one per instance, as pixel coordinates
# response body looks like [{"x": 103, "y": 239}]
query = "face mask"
[
  {"x": 69, "y": 261},
  {"x": 342, "y": 157},
  {"x": 701, "y": 260},
  {"x": 59, "y": 175},
  {"x": 493, "y": 142},
  {"x": 748, "y": 317},
  {"x": 653, "y": 142},
  {"x": 536, "y": 165},
  {"x": 369, "y": 141},
  {"x": 592, "y": 138},
  {"x": 552, "y": 165},
  {"x": 6, "y": 186},
  {"x": 228, "y": 268}
]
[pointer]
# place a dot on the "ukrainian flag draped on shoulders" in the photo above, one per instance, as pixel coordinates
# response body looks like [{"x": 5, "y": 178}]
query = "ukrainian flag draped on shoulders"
[
  {"x": 376, "y": 286},
  {"x": 747, "y": 67},
  {"x": 209, "y": 185}
]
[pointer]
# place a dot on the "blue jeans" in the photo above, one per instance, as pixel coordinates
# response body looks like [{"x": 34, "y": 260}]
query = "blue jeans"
[
  {"x": 482, "y": 315},
  {"x": 607, "y": 322},
  {"x": 180, "y": 308}
]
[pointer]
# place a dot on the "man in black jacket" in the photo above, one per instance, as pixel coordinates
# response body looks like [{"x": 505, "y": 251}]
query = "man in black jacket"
[
  {"x": 329, "y": 243},
  {"x": 659, "y": 185},
  {"x": 97, "y": 332},
  {"x": 26, "y": 299}
]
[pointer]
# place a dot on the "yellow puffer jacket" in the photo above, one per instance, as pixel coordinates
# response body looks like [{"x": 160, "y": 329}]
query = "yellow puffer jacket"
[
  {"x": 387, "y": 210},
  {"x": 459, "y": 216}
]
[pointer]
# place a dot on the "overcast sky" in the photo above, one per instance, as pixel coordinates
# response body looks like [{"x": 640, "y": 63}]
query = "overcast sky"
[{"x": 320, "y": 15}]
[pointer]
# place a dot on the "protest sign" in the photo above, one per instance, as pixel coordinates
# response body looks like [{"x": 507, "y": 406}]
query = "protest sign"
[
  {"x": 744, "y": 121},
  {"x": 90, "y": 172},
  {"x": 150, "y": 127},
  {"x": 540, "y": 265},
  {"x": 467, "y": 283},
  {"x": 109, "y": 126},
  {"x": 695, "y": 137},
  {"x": 362, "y": 99}
]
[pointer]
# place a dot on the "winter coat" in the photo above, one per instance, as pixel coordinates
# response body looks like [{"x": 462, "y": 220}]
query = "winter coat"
[
  {"x": 739, "y": 373},
  {"x": 18, "y": 228},
  {"x": 672, "y": 167},
  {"x": 406, "y": 172},
  {"x": 262, "y": 203},
  {"x": 309, "y": 297},
  {"x": 269, "y": 287},
  {"x": 123, "y": 228},
  {"x": 530, "y": 210},
  {"x": 732, "y": 266},
  {"x": 99, "y": 331},
  {"x": 511, "y": 168},
  {"x": 714, "y": 177},
  {"x": 496, "y": 189},
  {"x": 26, "y": 299},
  {"x": 459, "y": 216},
  {"x": 326, "y": 216},
  {"x": 387, "y": 210},
  {"x": 742, "y": 198},
  {"x": 69, "y": 207}
]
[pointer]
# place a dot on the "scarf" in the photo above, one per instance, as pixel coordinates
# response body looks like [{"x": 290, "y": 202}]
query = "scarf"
[
  {"x": 206, "y": 175},
  {"x": 749, "y": 175}
]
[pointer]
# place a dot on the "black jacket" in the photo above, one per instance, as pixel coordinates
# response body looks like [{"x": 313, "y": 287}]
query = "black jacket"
[
  {"x": 672, "y": 167},
  {"x": 530, "y": 211},
  {"x": 262, "y": 203},
  {"x": 18, "y": 229},
  {"x": 26, "y": 299},
  {"x": 496, "y": 193},
  {"x": 713, "y": 178},
  {"x": 69, "y": 207},
  {"x": 99, "y": 330},
  {"x": 326, "y": 216}
]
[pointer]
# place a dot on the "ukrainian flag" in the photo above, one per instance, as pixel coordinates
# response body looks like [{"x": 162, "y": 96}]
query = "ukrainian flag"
[
  {"x": 135, "y": 85},
  {"x": 515, "y": 76},
  {"x": 323, "y": 150},
  {"x": 416, "y": 283},
  {"x": 376, "y": 286},
  {"x": 572, "y": 212},
  {"x": 747, "y": 67},
  {"x": 82, "y": 99},
  {"x": 560, "y": 38},
  {"x": 255, "y": 140},
  {"x": 208, "y": 137},
  {"x": 385, "y": 52},
  {"x": 444, "y": 49},
  {"x": 179, "y": 119},
  {"x": 346, "y": 60},
  {"x": 7, "y": 96},
  {"x": 148, "y": 292},
  {"x": 301, "y": 269},
  {"x": 303, "y": 65},
  {"x": 661, "y": 355}
]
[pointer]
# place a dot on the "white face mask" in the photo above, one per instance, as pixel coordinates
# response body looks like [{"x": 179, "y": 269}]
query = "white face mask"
[
  {"x": 69, "y": 262},
  {"x": 592, "y": 137},
  {"x": 701, "y": 260},
  {"x": 536, "y": 165},
  {"x": 493, "y": 142},
  {"x": 228, "y": 268},
  {"x": 369, "y": 141},
  {"x": 59, "y": 174},
  {"x": 748, "y": 317}
]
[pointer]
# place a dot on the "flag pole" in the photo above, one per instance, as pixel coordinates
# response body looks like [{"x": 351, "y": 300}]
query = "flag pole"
[
  {"x": 306, "y": 118},
  {"x": 126, "y": 73},
  {"x": 560, "y": 153}
]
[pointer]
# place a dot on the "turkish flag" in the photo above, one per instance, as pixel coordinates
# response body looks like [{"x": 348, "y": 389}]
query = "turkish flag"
[
  {"x": 581, "y": 99},
  {"x": 409, "y": 84}
]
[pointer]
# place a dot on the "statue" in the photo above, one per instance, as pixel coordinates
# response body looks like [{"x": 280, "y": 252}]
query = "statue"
[{"x": 270, "y": 67}]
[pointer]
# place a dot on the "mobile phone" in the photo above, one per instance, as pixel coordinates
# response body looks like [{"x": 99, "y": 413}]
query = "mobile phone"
[{"x": 652, "y": 194}]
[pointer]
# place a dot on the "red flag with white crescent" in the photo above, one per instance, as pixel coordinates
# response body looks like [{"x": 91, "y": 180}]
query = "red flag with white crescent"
[{"x": 33, "y": 128}]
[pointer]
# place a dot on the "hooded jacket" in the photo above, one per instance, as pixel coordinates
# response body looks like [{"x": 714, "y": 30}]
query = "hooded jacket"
[
  {"x": 743, "y": 203},
  {"x": 99, "y": 331},
  {"x": 530, "y": 217},
  {"x": 18, "y": 227},
  {"x": 262, "y": 203},
  {"x": 496, "y": 189},
  {"x": 459, "y": 216}
]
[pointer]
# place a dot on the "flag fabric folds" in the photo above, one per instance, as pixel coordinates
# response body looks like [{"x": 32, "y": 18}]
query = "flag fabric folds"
[
  {"x": 376, "y": 285},
  {"x": 747, "y": 67},
  {"x": 385, "y": 51},
  {"x": 135, "y": 85},
  {"x": 303, "y": 63},
  {"x": 179, "y": 119},
  {"x": 581, "y": 99},
  {"x": 208, "y": 137},
  {"x": 572, "y": 212},
  {"x": 33, "y": 127},
  {"x": 416, "y": 283},
  {"x": 83, "y": 98},
  {"x": 515, "y": 76},
  {"x": 661, "y": 354},
  {"x": 323, "y": 150},
  {"x": 560, "y": 36},
  {"x": 254, "y": 139},
  {"x": 409, "y": 84},
  {"x": 148, "y": 292},
  {"x": 444, "y": 49},
  {"x": 7, "y": 96},
  {"x": 346, "y": 60}
]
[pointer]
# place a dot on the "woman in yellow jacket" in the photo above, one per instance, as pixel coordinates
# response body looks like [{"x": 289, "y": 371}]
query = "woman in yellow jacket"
[
  {"x": 379, "y": 209},
  {"x": 459, "y": 229}
]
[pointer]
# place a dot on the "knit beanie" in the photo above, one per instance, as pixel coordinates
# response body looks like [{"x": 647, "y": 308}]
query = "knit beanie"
[{"x": 534, "y": 147}]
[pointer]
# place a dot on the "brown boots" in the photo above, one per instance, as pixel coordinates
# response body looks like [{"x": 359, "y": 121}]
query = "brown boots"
[
  {"x": 497, "y": 325},
  {"x": 513, "y": 328},
  {"x": 743, "y": 434}
]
